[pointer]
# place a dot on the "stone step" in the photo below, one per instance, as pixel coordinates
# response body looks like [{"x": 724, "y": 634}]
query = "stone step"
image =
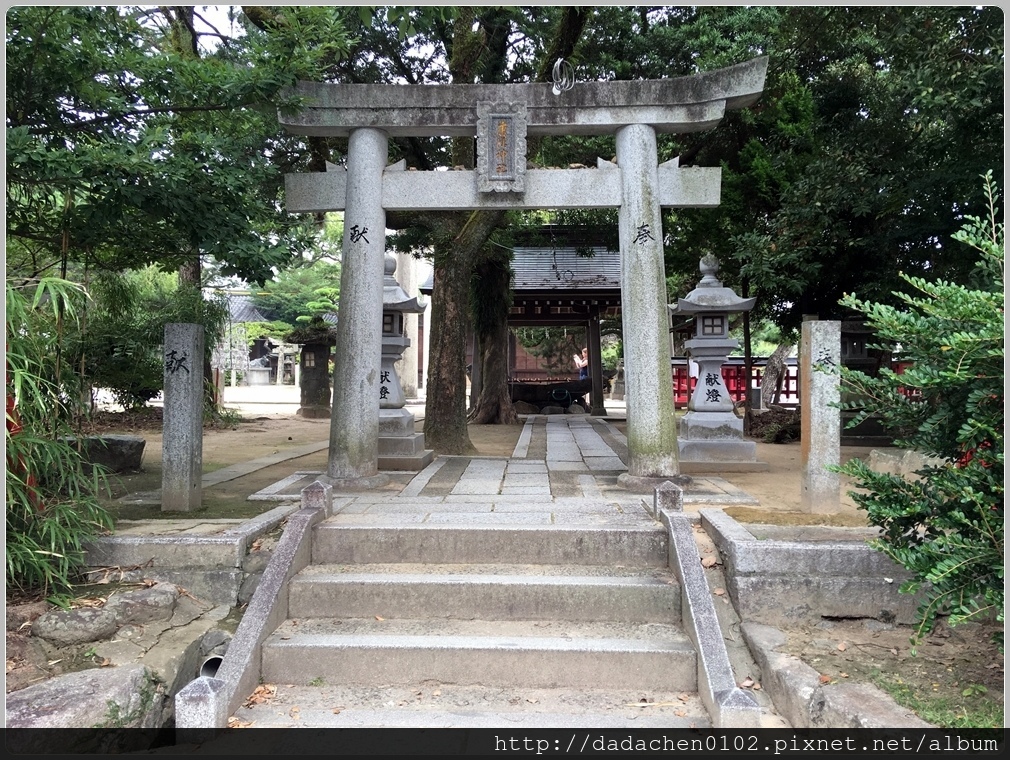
[
  {"x": 628, "y": 546},
  {"x": 530, "y": 654},
  {"x": 507, "y": 592},
  {"x": 431, "y": 704}
]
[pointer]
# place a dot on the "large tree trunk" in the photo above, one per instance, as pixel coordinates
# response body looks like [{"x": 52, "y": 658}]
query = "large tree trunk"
[
  {"x": 494, "y": 407},
  {"x": 456, "y": 254},
  {"x": 445, "y": 397},
  {"x": 491, "y": 302},
  {"x": 770, "y": 380}
]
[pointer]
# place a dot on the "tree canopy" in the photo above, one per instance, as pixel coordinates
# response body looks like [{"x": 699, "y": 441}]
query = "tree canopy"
[
  {"x": 862, "y": 157},
  {"x": 133, "y": 137}
]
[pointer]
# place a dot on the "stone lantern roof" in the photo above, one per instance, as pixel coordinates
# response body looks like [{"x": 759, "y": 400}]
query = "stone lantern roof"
[
  {"x": 395, "y": 298},
  {"x": 711, "y": 295}
]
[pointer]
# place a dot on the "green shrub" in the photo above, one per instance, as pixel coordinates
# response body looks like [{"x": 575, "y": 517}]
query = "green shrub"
[
  {"x": 52, "y": 504},
  {"x": 946, "y": 525},
  {"x": 119, "y": 345}
]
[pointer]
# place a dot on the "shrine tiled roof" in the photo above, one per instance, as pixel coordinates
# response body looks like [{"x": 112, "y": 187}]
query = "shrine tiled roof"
[{"x": 566, "y": 269}]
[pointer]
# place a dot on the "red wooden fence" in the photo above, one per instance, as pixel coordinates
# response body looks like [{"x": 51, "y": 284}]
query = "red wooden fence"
[{"x": 735, "y": 376}]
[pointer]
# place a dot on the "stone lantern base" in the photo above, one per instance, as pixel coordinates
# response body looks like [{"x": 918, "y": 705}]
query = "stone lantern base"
[
  {"x": 400, "y": 447},
  {"x": 713, "y": 442}
]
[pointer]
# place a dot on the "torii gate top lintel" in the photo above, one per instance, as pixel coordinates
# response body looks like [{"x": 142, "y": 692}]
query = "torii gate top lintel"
[{"x": 681, "y": 104}]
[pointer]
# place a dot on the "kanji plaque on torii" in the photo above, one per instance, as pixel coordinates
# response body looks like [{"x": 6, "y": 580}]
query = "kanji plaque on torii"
[{"x": 501, "y": 147}]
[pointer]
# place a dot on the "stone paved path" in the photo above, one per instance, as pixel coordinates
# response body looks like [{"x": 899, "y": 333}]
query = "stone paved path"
[{"x": 563, "y": 469}]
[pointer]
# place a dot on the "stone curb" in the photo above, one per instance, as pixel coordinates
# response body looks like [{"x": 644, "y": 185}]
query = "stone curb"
[
  {"x": 783, "y": 583},
  {"x": 210, "y": 567},
  {"x": 207, "y": 702},
  {"x": 728, "y": 705},
  {"x": 231, "y": 472},
  {"x": 799, "y": 696},
  {"x": 227, "y": 549}
]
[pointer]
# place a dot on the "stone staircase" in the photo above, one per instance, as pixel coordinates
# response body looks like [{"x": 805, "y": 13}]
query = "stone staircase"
[{"x": 482, "y": 625}]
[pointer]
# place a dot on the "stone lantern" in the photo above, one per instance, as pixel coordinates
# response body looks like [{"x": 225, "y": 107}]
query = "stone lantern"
[
  {"x": 711, "y": 435},
  {"x": 317, "y": 339},
  {"x": 400, "y": 448}
]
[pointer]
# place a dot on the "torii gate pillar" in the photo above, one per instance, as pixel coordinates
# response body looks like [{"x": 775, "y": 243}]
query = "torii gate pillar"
[
  {"x": 652, "y": 430},
  {"x": 354, "y": 420}
]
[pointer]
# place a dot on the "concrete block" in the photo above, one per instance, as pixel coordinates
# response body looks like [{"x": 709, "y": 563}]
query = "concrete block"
[
  {"x": 114, "y": 453},
  {"x": 861, "y": 705},
  {"x": 201, "y": 707},
  {"x": 788, "y": 582},
  {"x": 507, "y": 594},
  {"x": 790, "y": 682},
  {"x": 240, "y": 669},
  {"x": 165, "y": 551},
  {"x": 551, "y": 545}
]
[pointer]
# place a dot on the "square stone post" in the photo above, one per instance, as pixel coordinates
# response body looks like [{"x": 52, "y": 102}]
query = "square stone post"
[
  {"x": 652, "y": 432},
  {"x": 354, "y": 425},
  {"x": 820, "y": 357},
  {"x": 182, "y": 431}
]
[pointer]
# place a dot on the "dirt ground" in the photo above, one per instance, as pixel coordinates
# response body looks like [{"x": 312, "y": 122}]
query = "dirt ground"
[
  {"x": 778, "y": 489},
  {"x": 958, "y": 665}
]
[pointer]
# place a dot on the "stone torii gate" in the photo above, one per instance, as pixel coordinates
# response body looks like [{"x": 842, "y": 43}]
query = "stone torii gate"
[{"x": 501, "y": 117}]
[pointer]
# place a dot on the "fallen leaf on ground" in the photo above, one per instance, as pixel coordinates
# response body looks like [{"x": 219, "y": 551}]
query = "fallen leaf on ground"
[
  {"x": 337, "y": 710},
  {"x": 843, "y": 646},
  {"x": 747, "y": 683},
  {"x": 379, "y": 618},
  {"x": 261, "y": 695},
  {"x": 437, "y": 693},
  {"x": 236, "y": 723},
  {"x": 680, "y": 713},
  {"x": 825, "y": 679},
  {"x": 709, "y": 562},
  {"x": 719, "y": 591},
  {"x": 844, "y": 675},
  {"x": 532, "y": 700}
]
